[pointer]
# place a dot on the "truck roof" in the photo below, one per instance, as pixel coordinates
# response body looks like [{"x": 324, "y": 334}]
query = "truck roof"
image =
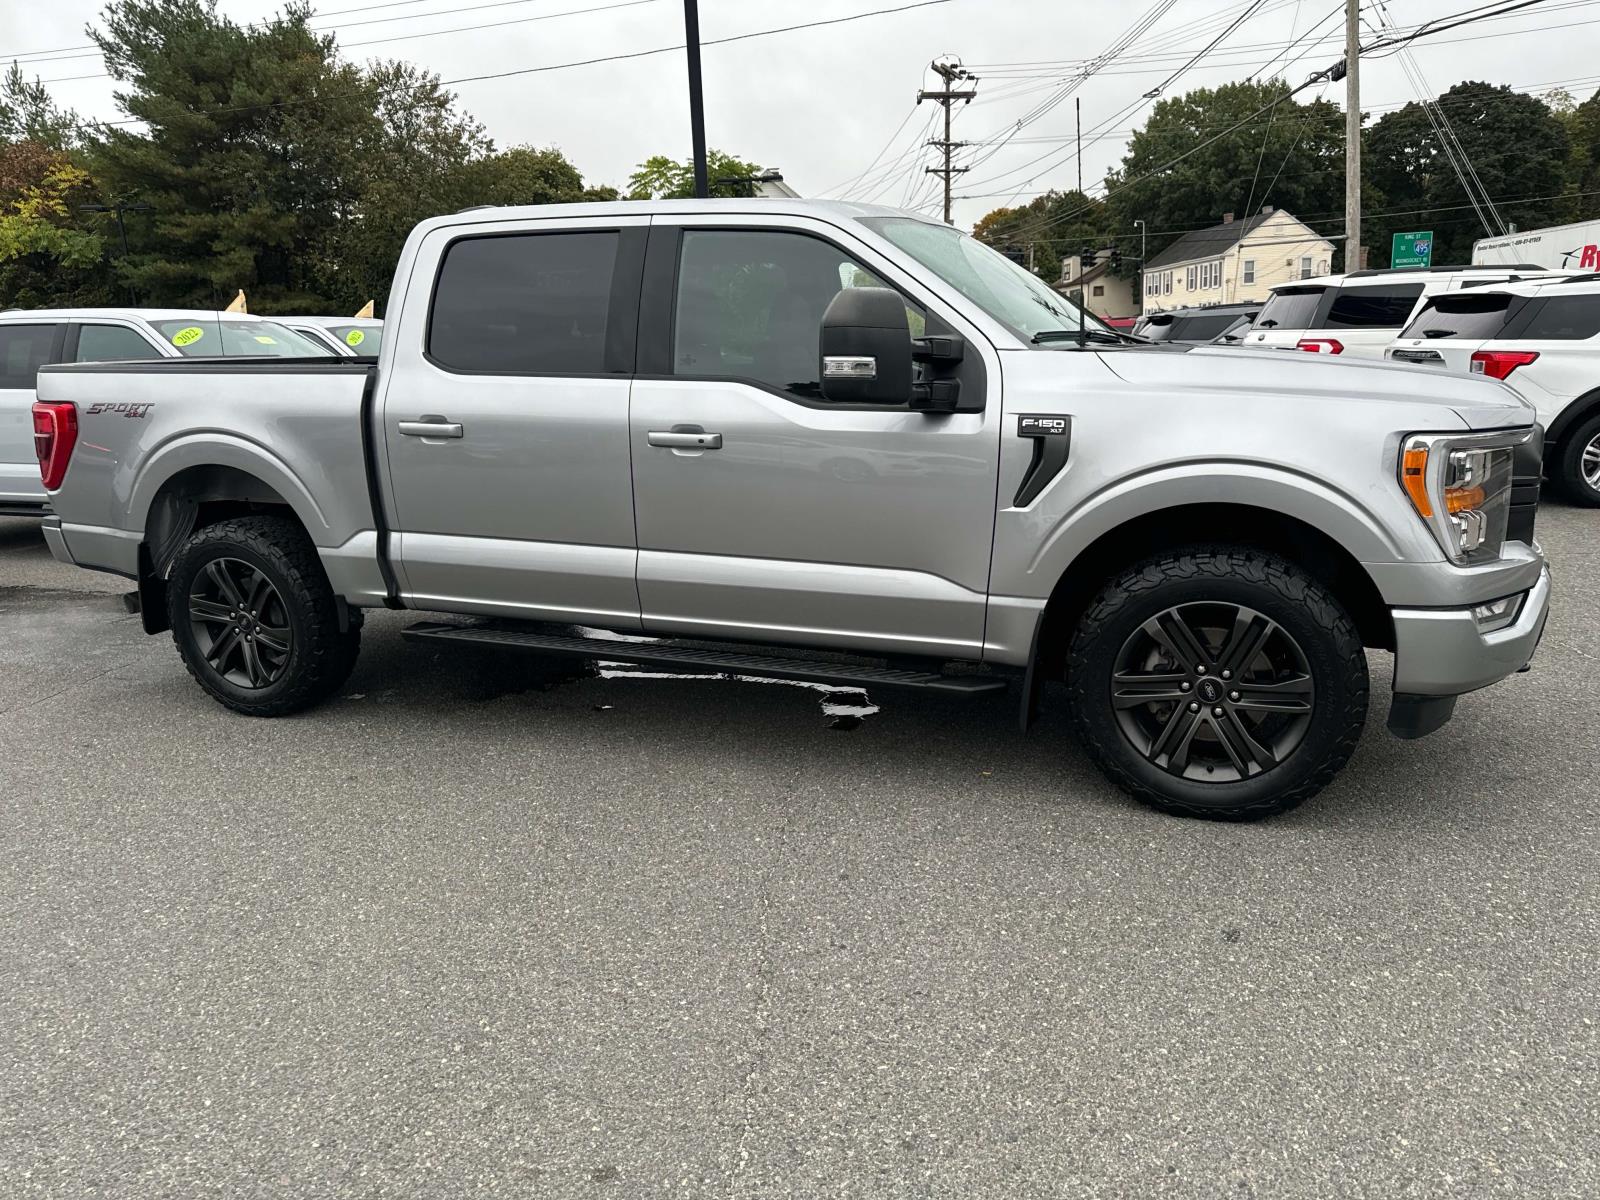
[
  {"x": 636, "y": 208},
  {"x": 127, "y": 314}
]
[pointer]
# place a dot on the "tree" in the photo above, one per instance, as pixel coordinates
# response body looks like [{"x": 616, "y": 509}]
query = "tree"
[
  {"x": 27, "y": 113},
  {"x": 47, "y": 254},
  {"x": 1047, "y": 229},
  {"x": 249, "y": 155},
  {"x": 1291, "y": 157},
  {"x": 414, "y": 159},
  {"x": 1518, "y": 148},
  {"x": 524, "y": 175},
  {"x": 662, "y": 178}
]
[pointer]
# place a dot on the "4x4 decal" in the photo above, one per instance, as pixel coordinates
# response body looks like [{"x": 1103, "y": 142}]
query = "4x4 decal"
[{"x": 123, "y": 407}]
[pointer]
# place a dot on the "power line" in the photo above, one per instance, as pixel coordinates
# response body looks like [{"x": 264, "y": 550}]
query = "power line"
[{"x": 739, "y": 37}]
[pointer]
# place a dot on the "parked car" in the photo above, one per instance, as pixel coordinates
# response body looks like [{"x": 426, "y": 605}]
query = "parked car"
[
  {"x": 689, "y": 421},
  {"x": 348, "y": 336},
  {"x": 1359, "y": 314},
  {"x": 1542, "y": 338},
  {"x": 1198, "y": 326},
  {"x": 30, "y": 340}
]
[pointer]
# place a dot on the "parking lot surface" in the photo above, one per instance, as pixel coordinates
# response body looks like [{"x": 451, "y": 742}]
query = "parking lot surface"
[{"x": 467, "y": 929}]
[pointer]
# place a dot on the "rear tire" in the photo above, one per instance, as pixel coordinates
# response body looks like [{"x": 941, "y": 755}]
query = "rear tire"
[
  {"x": 1577, "y": 467},
  {"x": 255, "y": 619},
  {"x": 1218, "y": 682}
]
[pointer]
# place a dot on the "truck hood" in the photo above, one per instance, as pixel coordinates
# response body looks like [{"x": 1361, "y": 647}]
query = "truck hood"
[{"x": 1296, "y": 376}]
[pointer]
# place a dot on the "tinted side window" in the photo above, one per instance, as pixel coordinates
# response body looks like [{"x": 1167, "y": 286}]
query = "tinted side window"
[
  {"x": 750, "y": 305},
  {"x": 1564, "y": 318},
  {"x": 1290, "y": 308},
  {"x": 111, "y": 343},
  {"x": 1372, "y": 307},
  {"x": 23, "y": 350},
  {"x": 1478, "y": 316},
  {"x": 527, "y": 304}
]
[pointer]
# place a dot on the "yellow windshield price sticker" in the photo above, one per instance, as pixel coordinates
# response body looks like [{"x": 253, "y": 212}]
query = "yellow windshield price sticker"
[
  {"x": 266, "y": 341},
  {"x": 188, "y": 336},
  {"x": 354, "y": 338}
]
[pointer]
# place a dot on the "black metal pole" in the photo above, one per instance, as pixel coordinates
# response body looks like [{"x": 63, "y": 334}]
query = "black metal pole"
[{"x": 697, "y": 108}]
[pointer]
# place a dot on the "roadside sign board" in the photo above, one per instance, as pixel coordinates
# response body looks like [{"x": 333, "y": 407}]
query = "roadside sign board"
[{"x": 1412, "y": 250}]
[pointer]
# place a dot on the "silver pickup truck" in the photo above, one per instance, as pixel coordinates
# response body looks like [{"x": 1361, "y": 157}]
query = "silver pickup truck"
[{"x": 746, "y": 432}]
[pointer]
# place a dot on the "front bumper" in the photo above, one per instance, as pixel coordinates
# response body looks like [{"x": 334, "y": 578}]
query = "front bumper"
[{"x": 1440, "y": 652}]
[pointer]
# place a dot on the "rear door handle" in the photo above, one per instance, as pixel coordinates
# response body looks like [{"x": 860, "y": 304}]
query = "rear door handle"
[
  {"x": 430, "y": 427},
  {"x": 678, "y": 439}
]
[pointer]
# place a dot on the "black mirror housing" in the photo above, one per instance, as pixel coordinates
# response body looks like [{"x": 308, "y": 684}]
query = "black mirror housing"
[{"x": 865, "y": 348}]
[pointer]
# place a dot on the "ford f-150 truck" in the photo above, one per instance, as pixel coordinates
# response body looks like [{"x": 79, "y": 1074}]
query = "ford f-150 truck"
[{"x": 750, "y": 432}]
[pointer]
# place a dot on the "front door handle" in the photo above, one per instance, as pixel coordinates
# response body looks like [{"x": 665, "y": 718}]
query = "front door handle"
[
  {"x": 683, "y": 439},
  {"x": 430, "y": 427}
]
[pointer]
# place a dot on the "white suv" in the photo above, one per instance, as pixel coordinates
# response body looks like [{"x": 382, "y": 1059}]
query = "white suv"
[
  {"x": 1359, "y": 314},
  {"x": 1541, "y": 338}
]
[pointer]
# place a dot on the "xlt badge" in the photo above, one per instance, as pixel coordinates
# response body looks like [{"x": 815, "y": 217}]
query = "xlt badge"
[{"x": 1043, "y": 426}]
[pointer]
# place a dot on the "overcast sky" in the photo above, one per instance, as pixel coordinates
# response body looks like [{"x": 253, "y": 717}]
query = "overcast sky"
[{"x": 820, "y": 103}]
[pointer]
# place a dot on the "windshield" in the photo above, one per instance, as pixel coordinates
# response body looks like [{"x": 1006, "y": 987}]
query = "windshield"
[
  {"x": 1017, "y": 298},
  {"x": 212, "y": 336},
  {"x": 363, "y": 339}
]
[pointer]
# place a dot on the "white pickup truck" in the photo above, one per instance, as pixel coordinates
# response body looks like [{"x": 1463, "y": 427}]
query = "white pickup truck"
[{"x": 745, "y": 432}]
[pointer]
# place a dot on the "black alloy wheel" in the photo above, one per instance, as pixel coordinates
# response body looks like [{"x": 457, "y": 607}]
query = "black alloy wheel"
[
  {"x": 240, "y": 623},
  {"x": 1213, "y": 692},
  {"x": 1222, "y": 682}
]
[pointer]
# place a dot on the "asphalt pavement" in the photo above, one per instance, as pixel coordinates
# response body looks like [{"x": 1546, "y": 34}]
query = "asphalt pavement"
[{"x": 473, "y": 929}]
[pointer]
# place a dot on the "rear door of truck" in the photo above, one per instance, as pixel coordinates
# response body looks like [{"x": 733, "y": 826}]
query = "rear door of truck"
[{"x": 504, "y": 419}]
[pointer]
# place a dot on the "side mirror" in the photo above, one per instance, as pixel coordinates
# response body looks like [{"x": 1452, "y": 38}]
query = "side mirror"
[{"x": 866, "y": 348}]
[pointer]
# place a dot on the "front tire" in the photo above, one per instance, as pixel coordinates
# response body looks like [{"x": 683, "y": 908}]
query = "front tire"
[
  {"x": 1577, "y": 467},
  {"x": 1218, "y": 682},
  {"x": 255, "y": 619}
]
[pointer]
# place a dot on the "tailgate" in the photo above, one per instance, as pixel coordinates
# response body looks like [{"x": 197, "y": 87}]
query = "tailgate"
[{"x": 1441, "y": 354}]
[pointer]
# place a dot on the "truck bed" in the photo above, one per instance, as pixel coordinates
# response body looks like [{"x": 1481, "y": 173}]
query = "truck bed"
[{"x": 154, "y": 435}]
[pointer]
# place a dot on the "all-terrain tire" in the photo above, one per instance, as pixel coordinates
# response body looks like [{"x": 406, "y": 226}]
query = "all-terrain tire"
[
  {"x": 321, "y": 655},
  {"x": 1568, "y": 467},
  {"x": 1278, "y": 590}
]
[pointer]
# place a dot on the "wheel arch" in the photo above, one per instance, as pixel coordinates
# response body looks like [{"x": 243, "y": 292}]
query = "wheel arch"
[
  {"x": 1573, "y": 415},
  {"x": 199, "y": 484},
  {"x": 1216, "y": 523}
]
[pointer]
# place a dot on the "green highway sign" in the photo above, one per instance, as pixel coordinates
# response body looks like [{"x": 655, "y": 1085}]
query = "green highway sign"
[{"x": 1412, "y": 250}]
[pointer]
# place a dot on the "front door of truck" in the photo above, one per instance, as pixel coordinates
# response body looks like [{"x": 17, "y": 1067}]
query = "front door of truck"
[
  {"x": 505, "y": 421},
  {"x": 798, "y": 520}
]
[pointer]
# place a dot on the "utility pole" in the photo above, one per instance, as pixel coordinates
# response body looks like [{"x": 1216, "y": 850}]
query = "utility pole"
[
  {"x": 950, "y": 72},
  {"x": 697, "y": 108},
  {"x": 1077, "y": 107},
  {"x": 1352, "y": 135}
]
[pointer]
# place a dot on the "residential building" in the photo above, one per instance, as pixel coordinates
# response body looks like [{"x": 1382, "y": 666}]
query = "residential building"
[
  {"x": 1235, "y": 261},
  {"x": 1091, "y": 282}
]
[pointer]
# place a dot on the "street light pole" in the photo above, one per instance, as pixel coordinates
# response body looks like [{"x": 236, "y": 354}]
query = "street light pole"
[
  {"x": 122, "y": 228},
  {"x": 697, "y": 111},
  {"x": 1144, "y": 238}
]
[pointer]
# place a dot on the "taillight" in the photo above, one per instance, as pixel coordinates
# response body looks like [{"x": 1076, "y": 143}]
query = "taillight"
[
  {"x": 1320, "y": 345},
  {"x": 55, "y": 433},
  {"x": 1497, "y": 364}
]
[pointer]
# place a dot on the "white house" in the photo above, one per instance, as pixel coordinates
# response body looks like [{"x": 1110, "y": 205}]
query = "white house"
[{"x": 1236, "y": 260}]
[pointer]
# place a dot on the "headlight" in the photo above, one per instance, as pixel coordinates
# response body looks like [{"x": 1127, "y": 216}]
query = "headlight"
[{"x": 1461, "y": 486}]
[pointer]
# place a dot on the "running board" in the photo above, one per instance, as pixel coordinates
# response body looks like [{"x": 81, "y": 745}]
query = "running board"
[{"x": 693, "y": 659}]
